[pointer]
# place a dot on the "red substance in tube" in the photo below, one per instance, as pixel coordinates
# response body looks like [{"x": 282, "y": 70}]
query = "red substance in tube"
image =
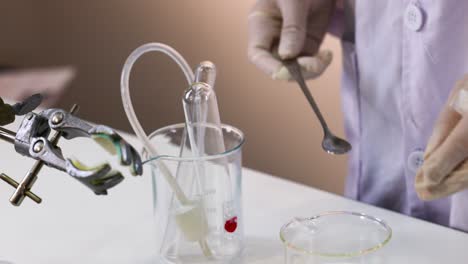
[{"x": 231, "y": 224}]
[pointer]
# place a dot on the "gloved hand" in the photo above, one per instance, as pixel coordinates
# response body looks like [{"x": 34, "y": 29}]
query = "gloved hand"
[
  {"x": 284, "y": 29},
  {"x": 445, "y": 168}
]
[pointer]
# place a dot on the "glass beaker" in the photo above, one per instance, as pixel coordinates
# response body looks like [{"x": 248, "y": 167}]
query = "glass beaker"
[
  {"x": 208, "y": 226},
  {"x": 335, "y": 237}
]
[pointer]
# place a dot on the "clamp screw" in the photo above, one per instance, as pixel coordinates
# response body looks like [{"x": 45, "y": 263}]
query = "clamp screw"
[
  {"x": 38, "y": 146},
  {"x": 57, "y": 118},
  {"x": 24, "y": 187}
]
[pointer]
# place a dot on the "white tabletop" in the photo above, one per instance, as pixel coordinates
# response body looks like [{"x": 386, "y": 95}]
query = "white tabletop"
[{"x": 72, "y": 225}]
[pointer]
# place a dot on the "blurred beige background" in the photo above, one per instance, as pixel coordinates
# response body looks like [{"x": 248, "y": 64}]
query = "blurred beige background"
[{"x": 283, "y": 135}]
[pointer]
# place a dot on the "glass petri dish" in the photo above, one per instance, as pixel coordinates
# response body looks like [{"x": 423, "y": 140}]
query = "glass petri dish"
[{"x": 336, "y": 234}]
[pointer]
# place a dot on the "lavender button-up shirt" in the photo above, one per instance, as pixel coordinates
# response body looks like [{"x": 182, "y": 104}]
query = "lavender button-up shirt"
[{"x": 404, "y": 58}]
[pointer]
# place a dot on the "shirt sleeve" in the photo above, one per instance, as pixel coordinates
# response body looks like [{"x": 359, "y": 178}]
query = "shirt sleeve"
[{"x": 337, "y": 23}]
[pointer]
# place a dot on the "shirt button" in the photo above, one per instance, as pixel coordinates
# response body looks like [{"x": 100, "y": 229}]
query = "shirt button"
[
  {"x": 414, "y": 17},
  {"x": 415, "y": 160}
]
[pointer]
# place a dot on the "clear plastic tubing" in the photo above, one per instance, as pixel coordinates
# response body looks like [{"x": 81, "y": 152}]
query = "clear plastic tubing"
[
  {"x": 125, "y": 90},
  {"x": 129, "y": 110}
]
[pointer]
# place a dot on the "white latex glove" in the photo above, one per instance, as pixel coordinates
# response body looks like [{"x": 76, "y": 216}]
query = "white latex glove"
[
  {"x": 284, "y": 29},
  {"x": 445, "y": 168}
]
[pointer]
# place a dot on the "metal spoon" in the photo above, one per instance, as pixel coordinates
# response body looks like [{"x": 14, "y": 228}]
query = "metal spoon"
[{"x": 331, "y": 143}]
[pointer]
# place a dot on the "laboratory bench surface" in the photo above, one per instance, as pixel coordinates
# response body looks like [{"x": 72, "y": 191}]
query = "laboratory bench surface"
[{"x": 72, "y": 225}]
